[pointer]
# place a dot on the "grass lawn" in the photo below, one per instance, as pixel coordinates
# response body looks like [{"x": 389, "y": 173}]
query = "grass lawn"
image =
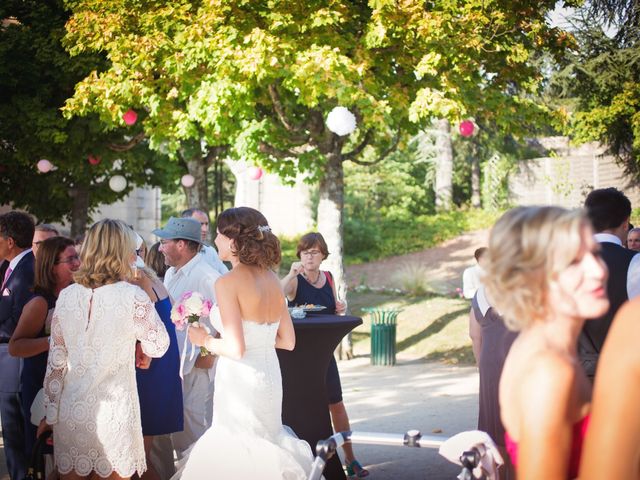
[{"x": 431, "y": 327}]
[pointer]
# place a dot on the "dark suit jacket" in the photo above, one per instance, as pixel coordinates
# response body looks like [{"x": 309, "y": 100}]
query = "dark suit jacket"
[
  {"x": 15, "y": 294},
  {"x": 13, "y": 297}
]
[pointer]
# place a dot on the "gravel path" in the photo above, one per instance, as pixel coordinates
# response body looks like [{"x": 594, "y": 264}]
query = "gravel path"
[{"x": 442, "y": 266}]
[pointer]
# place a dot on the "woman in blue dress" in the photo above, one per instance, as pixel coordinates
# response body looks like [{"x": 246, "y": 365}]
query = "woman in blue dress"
[
  {"x": 306, "y": 284},
  {"x": 56, "y": 261},
  {"x": 159, "y": 383}
]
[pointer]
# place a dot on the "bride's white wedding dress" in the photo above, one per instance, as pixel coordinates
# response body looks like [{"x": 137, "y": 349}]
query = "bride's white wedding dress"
[{"x": 247, "y": 439}]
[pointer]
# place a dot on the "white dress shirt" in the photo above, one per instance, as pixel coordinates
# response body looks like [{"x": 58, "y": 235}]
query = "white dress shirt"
[
  {"x": 195, "y": 276},
  {"x": 633, "y": 274},
  {"x": 212, "y": 258},
  {"x": 471, "y": 281}
]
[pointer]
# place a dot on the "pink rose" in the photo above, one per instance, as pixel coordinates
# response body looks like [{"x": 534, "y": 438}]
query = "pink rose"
[
  {"x": 206, "y": 308},
  {"x": 181, "y": 310},
  {"x": 185, "y": 296}
]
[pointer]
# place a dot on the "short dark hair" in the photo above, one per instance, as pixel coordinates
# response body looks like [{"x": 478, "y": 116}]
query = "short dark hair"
[
  {"x": 19, "y": 226},
  {"x": 191, "y": 245},
  {"x": 607, "y": 208},
  {"x": 310, "y": 240},
  {"x": 479, "y": 253}
]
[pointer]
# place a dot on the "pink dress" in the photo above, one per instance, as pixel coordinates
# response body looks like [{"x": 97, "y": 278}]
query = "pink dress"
[{"x": 579, "y": 432}]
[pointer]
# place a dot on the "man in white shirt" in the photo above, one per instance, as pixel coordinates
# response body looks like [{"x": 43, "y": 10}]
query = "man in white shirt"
[
  {"x": 189, "y": 272},
  {"x": 209, "y": 253},
  {"x": 472, "y": 276}
]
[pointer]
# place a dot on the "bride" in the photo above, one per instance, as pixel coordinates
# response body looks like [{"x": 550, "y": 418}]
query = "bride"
[{"x": 247, "y": 438}]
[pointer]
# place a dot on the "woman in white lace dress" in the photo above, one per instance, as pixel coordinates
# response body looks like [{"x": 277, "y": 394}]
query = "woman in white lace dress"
[
  {"x": 90, "y": 388},
  {"x": 247, "y": 439}
]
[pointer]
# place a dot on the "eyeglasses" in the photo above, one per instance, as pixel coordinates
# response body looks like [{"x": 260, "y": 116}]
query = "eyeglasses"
[
  {"x": 70, "y": 259},
  {"x": 310, "y": 253}
]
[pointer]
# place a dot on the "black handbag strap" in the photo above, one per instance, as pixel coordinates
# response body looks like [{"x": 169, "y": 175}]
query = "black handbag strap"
[{"x": 36, "y": 470}]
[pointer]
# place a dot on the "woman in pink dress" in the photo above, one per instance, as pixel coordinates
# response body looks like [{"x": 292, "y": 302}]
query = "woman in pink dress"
[{"x": 545, "y": 277}]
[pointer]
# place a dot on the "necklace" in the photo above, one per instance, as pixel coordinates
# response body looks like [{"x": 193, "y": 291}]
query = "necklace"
[{"x": 316, "y": 281}]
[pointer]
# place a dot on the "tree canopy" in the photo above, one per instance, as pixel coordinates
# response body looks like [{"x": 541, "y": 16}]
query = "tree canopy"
[
  {"x": 37, "y": 76},
  {"x": 601, "y": 79},
  {"x": 256, "y": 80}
]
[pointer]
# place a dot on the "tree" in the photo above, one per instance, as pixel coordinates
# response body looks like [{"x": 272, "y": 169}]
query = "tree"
[
  {"x": 600, "y": 81},
  {"x": 260, "y": 77},
  {"x": 36, "y": 77}
]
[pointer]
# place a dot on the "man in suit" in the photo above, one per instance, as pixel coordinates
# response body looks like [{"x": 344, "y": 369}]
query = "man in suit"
[
  {"x": 16, "y": 235},
  {"x": 609, "y": 211}
]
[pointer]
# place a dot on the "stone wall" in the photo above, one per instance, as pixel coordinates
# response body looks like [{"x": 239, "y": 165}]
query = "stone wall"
[{"x": 567, "y": 174}]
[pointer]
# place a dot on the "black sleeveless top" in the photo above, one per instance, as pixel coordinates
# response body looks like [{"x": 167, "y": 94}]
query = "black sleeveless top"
[{"x": 307, "y": 293}]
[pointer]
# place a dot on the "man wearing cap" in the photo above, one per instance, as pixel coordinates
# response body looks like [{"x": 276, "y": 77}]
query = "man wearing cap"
[
  {"x": 209, "y": 253},
  {"x": 189, "y": 272}
]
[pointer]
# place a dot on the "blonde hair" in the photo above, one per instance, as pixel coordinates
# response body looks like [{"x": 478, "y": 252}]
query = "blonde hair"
[
  {"x": 106, "y": 255},
  {"x": 528, "y": 247}
]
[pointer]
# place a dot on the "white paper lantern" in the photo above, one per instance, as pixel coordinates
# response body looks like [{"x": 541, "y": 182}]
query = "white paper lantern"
[
  {"x": 341, "y": 121},
  {"x": 187, "y": 180},
  {"x": 117, "y": 183},
  {"x": 44, "y": 166}
]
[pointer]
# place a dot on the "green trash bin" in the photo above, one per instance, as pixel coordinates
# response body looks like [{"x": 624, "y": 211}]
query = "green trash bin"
[{"x": 383, "y": 335}]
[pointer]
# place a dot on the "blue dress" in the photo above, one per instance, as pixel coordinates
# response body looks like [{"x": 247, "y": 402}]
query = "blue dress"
[
  {"x": 32, "y": 378},
  {"x": 307, "y": 293},
  {"x": 160, "y": 386}
]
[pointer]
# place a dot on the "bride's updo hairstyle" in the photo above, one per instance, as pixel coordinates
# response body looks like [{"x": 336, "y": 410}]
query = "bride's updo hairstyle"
[
  {"x": 255, "y": 243},
  {"x": 106, "y": 255},
  {"x": 528, "y": 247}
]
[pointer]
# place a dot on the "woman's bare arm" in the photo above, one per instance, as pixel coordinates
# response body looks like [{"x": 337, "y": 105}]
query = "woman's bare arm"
[
  {"x": 25, "y": 341},
  {"x": 612, "y": 445}
]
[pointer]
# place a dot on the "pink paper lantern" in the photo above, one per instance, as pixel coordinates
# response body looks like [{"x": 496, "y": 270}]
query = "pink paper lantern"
[
  {"x": 467, "y": 128},
  {"x": 44, "y": 166},
  {"x": 94, "y": 159},
  {"x": 187, "y": 180},
  {"x": 255, "y": 173},
  {"x": 130, "y": 117}
]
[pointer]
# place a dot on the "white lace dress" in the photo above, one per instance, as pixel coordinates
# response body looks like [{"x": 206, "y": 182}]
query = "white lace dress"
[
  {"x": 90, "y": 385},
  {"x": 247, "y": 438}
]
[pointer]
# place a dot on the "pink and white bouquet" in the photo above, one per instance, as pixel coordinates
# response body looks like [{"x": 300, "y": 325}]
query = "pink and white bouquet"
[{"x": 188, "y": 310}]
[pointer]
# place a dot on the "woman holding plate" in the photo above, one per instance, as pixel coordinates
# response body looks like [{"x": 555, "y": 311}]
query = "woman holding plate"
[{"x": 306, "y": 284}]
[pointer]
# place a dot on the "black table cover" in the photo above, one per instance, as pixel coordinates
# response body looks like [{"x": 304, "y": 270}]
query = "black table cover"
[{"x": 305, "y": 405}]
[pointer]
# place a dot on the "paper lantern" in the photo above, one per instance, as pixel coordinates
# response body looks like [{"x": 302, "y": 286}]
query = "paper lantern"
[
  {"x": 117, "y": 183},
  {"x": 187, "y": 180},
  {"x": 467, "y": 127},
  {"x": 130, "y": 117},
  {"x": 94, "y": 159},
  {"x": 341, "y": 121},
  {"x": 44, "y": 166},
  {"x": 254, "y": 173}
]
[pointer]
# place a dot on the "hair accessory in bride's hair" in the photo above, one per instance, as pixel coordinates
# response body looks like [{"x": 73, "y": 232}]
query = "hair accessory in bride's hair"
[{"x": 264, "y": 228}]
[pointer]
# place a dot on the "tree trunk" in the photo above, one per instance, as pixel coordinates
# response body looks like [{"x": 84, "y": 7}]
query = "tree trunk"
[
  {"x": 79, "y": 210},
  {"x": 330, "y": 225},
  {"x": 197, "y": 195},
  {"x": 444, "y": 166},
  {"x": 475, "y": 179},
  {"x": 330, "y": 207}
]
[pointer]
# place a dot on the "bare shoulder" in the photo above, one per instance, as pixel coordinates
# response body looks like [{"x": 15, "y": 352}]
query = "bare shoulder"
[{"x": 548, "y": 385}]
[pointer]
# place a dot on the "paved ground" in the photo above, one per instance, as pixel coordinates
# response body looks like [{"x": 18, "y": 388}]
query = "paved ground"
[{"x": 429, "y": 397}]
